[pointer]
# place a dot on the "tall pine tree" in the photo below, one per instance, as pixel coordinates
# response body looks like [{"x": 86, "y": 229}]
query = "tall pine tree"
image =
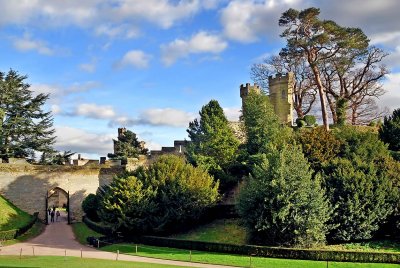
[
  {"x": 25, "y": 127},
  {"x": 213, "y": 143}
]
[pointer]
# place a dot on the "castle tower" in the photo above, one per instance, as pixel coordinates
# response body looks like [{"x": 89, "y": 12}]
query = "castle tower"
[
  {"x": 246, "y": 89},
  {"x": 281, "y": 96}
]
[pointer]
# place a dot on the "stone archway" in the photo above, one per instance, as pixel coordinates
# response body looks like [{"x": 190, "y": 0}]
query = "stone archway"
[{"x": 57, "y": 198}]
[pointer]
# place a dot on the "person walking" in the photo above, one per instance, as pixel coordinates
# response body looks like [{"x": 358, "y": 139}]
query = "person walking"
[
  {"x": 52, "y": 216},
  {"x": 57, "y": 215}
]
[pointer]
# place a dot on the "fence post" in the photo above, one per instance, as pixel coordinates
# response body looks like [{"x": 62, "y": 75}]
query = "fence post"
[
  {"x": 81, "y": 252},
  {"x": 190, "y": 253},
  {"x": 98, "y": 243},
  {"x": 327, "y": 264},
  {"x": 117, "y": 255},
  {"x": 20, "y": 253},
  {"x": 65, "y": 255},
  {"x": 136, "y": 249},
  {"x": 33, "y": 251},
  {"x": 250, "y": 261}
]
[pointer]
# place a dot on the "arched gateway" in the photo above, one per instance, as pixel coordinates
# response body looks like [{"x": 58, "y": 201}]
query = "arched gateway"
[{"x": 57, "y": 198}]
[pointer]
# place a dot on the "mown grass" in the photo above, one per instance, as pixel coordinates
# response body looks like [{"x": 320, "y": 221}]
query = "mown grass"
[
  {"x": 232, "y": 260},
  {"x": 12, "y": 217},
  {"x": 229, "y": 231},
  {"x": 82, "y": 231},
  {"x": 71, "y": 262}
]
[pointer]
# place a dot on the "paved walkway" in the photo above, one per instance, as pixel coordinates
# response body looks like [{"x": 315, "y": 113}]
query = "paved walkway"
[{"x": 58, "y": 240}]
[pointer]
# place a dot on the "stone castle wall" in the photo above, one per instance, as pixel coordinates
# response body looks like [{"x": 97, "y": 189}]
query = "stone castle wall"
[{"x": 26, "y": 185}]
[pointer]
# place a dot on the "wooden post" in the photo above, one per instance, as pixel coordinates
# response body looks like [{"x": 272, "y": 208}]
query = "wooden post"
[
  {"x": 20, "y": 253},
  {"x": 250, "y": 261},
  {"x": 65, "y": 255},
  {"x": 33, "y": 251},
  {"x": 117, "y": 254},
  {"x": 190, "y": 253},
  {"x": 81, "y": 252},
  {"x": 136, "y": 249}
]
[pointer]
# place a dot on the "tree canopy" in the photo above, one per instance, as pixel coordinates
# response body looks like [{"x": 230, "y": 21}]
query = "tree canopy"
[
  {"x": 25, "y": 127},
  {"x": 127, "y": 146},
  {"x": 213, "y": 144},
  {"x": 389, "y": 132}
]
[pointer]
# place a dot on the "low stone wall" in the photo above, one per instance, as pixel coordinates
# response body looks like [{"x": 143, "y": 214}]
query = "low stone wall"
[{"x": 26, "y": 185}]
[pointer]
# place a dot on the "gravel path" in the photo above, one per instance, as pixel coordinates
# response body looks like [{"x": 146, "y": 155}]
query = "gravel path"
[{"x": 58, "y": 240}]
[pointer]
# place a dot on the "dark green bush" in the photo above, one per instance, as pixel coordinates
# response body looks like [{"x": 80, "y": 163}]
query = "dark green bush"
[
  {"x": 13, "y": 233},
  {"x": 273, "y": 252},
  {"x": 310, "y": 120},
  {"x": 300, "y": 122},
  {"x": 8, "y": 235},
  {"x": 100, "y": 228},
  {"x": 90, "y": 205}
]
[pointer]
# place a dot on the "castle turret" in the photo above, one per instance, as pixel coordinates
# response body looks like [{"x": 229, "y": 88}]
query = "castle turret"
[
  {"x": 246, "y": 89},
  {"x": 281, "y": 96}
]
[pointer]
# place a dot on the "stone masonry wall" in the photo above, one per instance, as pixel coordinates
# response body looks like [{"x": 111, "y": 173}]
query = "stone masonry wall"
[{"x": 26, "y": 185}]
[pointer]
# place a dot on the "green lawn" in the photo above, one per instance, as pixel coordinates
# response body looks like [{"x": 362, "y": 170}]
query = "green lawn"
[
  {"x": 233, "y": 260},
  {"x": 228, "y": 231},
  {"x": 71, "y": 262},
  {"x": 82, "y": 231},
  {"x": 11, "y": 217}
]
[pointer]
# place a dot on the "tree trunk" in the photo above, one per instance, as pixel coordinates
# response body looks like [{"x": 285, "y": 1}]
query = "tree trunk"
[
  {"x": 321, "y": 92},
  {"x": 332, "y": 108}
]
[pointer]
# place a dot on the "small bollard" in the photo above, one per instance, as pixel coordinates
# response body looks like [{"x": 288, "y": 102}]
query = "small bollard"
[
  {"x": 250, "y": 261},
  {"x": 65, "y": 255},
  {"x": 136, "y": 249},
  {"x": 117, "y": 255},
  {"x": 98, "y": 243},
  {"x": 327, "y": 264},
  {"x": 190, "y": 253},
  {"x": 20, "y": 253},
  {"x": 33, "y": 251},
  {"x": 81, "y": 252}
]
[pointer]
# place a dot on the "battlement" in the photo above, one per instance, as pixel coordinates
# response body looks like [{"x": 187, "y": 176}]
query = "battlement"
[
  {"x": 280, "y": 78},
  {"x": 246, "y": 89}
]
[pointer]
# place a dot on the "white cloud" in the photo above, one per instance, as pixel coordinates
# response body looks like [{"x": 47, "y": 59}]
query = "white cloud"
[
  {"x": 392, "y": 97},
  {"x": 232, "y": 113},
  {"x": 155, "y": 117},
  {"x": 135, "y": 58},
  {"x": 201, "y": 42},
  {"x": 57, "y": 92},
  {"x": 92, "y": 110},
  {"x": 81, "y": 141},
  {"x": 26, "y": 43},
  {"x": 110, "y": 15}
]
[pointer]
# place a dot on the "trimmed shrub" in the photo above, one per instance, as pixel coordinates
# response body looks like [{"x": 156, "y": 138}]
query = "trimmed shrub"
[
  {"x": 310, "y": 120},
  {"x": 100, "y": 228},
  {"x": 90, "y": 205},
  {"x": 300, "y": 122},
  {"x": 14, "y": 233},
  {"x": 273, "y": 252}
]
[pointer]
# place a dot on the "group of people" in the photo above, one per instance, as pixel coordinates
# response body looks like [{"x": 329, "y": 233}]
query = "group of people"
[{"x": 52, "y": 213}]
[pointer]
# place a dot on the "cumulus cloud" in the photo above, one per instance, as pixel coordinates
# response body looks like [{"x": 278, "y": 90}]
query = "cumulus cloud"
[
  {"x": 392, "y": 97},
  {"x": 156, "y": 117},
  {"x": 105, "y": 16},
  {"x": 26, "y": 43},
  {"x": 201, "y": 42},
  {"x": 136, "y": 58},
  {"x": 81, "y": 141},
  {"x": 89, "y": 67},
  {"x": 232, "y": 113},
  {"x": 57, "y": 91},
  {"x": 95, "y": 111}
]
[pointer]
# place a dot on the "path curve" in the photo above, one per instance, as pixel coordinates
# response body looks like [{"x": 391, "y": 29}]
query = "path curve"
[{"x": 58, "y": 240}]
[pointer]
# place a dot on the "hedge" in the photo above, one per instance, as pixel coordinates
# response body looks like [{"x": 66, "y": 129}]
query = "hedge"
[
  {"x": 14, "y": 233},
  {"x": 102, "y": 229},
  {"x": 273, "y": 252}
]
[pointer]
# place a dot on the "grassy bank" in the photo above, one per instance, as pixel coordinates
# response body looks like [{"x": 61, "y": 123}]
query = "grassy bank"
[
  {"x": 36, "y": 230},
  {"x": 81, "y": 232},
  {"x": 72, "y": 262},
  {"x": 11, "y": 217}
]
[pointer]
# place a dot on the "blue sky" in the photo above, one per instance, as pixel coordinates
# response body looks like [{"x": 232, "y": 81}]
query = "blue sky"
[{"x": 150, "y": 65}]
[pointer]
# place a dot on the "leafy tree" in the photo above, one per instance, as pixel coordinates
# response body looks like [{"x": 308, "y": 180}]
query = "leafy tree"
[
  {"x": 25, "y": 127},
  {"x": 213, "y": 144},
  {"x": 127, "y": 146},
  {"x": 361, "y": 194},
  {"x": 317, "y": 41},
  {"x": 389, "y": 132},
  {"x": 56, "y": 158},
  {"x": 161, "y": 198},
  {"x": 262, "y": 126},
  {"x": 359, "y": 185},
  {"x": 282, "y": 203},
  {"x": 319, "y": 146}
]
